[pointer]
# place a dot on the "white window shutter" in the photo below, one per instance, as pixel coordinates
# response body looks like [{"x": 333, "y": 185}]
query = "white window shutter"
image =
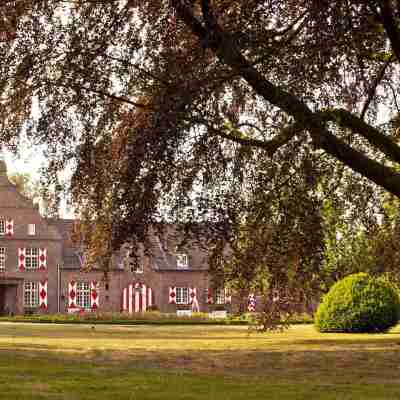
[
  {"x": 42, "y": 259},
  {"x": 172, "y": 295},
  {"x": 21, "y": 259},
  {"x": 94, "y": 295},
  {"x": 72, "y": 294},
  {"x": 43, "y": 294},
  {"x": 9, "y": 227}
]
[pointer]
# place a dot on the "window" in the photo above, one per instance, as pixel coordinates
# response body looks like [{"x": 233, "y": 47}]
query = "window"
[
  {"x": 83, "y": 294},
  {"x": 31, "y": 229},
  {"x": 2, "y": 258},
  {"x": 182, "y": 295},
  {"x": 220, "y": 296},
  {"x": 31, "y": 258},
  {"x": 31, "y": 294},
  {"x": 137, "y": 268},
  {"x": 2, "y": 227},
  {"x": 182, "y": 260}
]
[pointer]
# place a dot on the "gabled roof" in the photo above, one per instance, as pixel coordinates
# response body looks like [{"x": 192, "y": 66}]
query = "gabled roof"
[{"x": 163, "y": 257}]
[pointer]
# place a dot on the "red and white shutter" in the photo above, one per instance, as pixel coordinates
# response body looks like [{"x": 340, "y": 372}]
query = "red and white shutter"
[
  {"x": 43, "y": 294},
  {"x": 9, "y": 227},
  {"x": 144, "y": 298},
  {"x": 192, "y": 295},
  {"x": 251, "y": 305},
  {"x": 42, "y": 259},
  {"x": 125, "y": 300},
  {"x": 228, "y": 296},
  {"x": 21, "y": 259},
  {"x": 172, "y": 295},
  {"x": 137, "y": 297},
  {"x": 72, "y": 294},
  {"x": 94, "y": 295},
  {"x": 149, "y": 297},
  {"x": 210, "y": 299},
  {"x": 130, "y": 299}
]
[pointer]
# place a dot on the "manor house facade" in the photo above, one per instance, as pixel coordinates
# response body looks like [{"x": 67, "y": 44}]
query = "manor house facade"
[{"x": 41, "y": 270}]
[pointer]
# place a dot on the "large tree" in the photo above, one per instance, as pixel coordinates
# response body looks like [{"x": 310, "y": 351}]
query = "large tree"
[{"x": 244, "y": 114}]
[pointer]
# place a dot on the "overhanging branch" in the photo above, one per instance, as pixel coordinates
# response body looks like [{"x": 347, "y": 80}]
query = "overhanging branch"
[
  {"x": 236, "y": 136},
  {"x": 376, "y": 138},
  {"x": 224, "y": 46}
]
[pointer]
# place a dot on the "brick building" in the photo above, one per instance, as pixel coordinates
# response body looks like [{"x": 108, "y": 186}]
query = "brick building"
[{"x": 41, "y": 270}]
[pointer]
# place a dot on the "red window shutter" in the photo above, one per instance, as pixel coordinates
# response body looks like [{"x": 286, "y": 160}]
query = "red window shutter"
[
  {"x": 72, "y": 294},
  {"x": 42, "y": 259},
  {"x": 43, "y": 294},
  {"x": 21, "y": 259},
  {"x": 172, "y": 295},
  {"x": 94, "y": 295},
  {"x": 9, "y": 227}
]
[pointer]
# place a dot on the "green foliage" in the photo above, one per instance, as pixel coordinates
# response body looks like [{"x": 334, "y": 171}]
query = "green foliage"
[
  {"x": 359, "y": 303},
  {"x": 147, "y": 318},
  {"x": 368, "y": 243}
]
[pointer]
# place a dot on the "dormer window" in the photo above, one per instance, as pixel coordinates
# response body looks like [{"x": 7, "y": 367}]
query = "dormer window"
[
  {"x": 31, "y": 229},
  {"x": 182, "y": 260}
]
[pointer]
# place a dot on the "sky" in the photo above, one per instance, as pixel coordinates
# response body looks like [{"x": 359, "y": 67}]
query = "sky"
[{"x": 29, "y": 161}]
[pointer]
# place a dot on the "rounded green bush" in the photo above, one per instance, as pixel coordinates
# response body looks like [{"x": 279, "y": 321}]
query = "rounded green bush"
[{"x": 359, "y": 303}]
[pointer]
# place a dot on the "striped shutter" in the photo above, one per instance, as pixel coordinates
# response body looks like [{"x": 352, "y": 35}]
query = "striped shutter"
[
  {"x": 94, "y": 295},
  {"x": 143, "y": 308},
  {"x": 42, "y": 259},
  {"x": 251, "y": 304},
  {"x": 228, "y": 296},
  {"x": 192, "y": 295},
  {"x": 136, "y": 298},
  {"x": 172, "y": 295},
  {"x": 150, "y": 297},
  {"x": 43, "y": 294},
  {"x": 137, "y": 295},
  {"x": 21, "y": 259},
  {"x": 72, "y": 294},
  {"x": 130, "y": 298},
  {"x": 9, "y": 227},
  {"x": 210, "y": 299},
  {"x": 125, "y": 300}
]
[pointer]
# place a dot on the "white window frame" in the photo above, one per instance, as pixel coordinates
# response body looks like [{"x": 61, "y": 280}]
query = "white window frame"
[
  {"x": 138, "y": 269},
  {"x": 31, "y": 258},
  {"x": 31, "y": 229},
  {"x": 219, "y": 297},
  {"x": 182, "y": 295},
  {"x": 31, "y": 294},
  {"x": 182, "y": 260},
  {"x": 2, "y": 226},
  {"x": 83, "y": 295},
  {"x": 3, "y": 256}
]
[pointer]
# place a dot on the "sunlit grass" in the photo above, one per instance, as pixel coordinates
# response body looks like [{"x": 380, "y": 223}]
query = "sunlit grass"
[{"x": 223, "y": 360}]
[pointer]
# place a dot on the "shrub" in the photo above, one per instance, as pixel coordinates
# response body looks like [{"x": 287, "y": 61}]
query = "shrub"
[{"x": 359, "y": 303}]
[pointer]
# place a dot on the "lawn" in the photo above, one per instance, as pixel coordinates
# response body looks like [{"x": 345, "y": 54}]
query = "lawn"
[{"x": 44, "y": 361}]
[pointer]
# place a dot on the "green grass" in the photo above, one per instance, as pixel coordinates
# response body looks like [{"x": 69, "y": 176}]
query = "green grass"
[{"x": 45, "y": 361}]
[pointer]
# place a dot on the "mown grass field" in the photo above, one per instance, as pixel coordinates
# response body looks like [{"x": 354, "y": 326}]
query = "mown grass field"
[{"x": 44, "y": 361}]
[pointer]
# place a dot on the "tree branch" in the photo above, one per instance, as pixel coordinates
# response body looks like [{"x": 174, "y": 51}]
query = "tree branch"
[
  {"x": 223, "y": 44},
  {"x": 102, "y": 94},
  {"x": 235, "y": 135},
  {"x": 372, "y": 90},
  {"x": 376, "y": 138},
  {"x": 390, "y": 25}
]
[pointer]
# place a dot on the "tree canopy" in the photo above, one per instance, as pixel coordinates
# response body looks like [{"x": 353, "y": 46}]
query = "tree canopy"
[{"x": 235, "y": 118}]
